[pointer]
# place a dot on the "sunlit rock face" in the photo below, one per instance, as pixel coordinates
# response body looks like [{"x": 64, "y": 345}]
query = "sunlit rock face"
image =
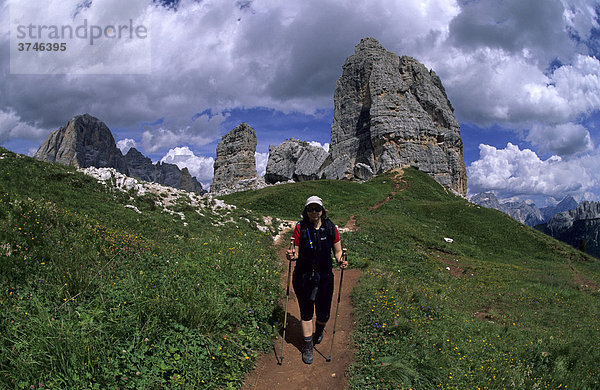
[
  {"x": 235, "y": 164},
  {"x": 390, "y": 111}
]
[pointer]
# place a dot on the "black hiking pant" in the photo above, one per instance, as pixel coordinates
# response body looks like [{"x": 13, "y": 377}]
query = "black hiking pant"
[{"x": 303, "y": 287}]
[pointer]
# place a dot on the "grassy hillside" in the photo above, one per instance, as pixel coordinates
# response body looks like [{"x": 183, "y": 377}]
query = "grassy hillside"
[
  {"x": 97, "y": 295},
  {"x": 502, "y": 306}
]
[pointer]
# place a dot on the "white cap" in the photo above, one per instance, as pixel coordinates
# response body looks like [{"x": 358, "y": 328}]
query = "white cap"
[{"x": 314, "y": 199}]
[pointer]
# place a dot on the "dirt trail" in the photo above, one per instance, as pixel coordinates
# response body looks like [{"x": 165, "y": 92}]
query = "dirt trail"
[
  {"x": 292, "y": 373},
  {"x": 399, "y": 181},
  {"x": 351, "y": 225},
  {"x": 581, "y": 282}
]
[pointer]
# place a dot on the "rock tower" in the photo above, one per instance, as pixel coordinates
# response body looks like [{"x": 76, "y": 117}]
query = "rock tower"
[
  {"x": 390, "y": 111},
  {"x": 235, "y": 164}
]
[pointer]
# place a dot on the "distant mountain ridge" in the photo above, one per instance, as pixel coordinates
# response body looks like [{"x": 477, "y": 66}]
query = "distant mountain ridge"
[
  {"x": 85, "y": 141},
  {"x": 579, "y": 228},
  {"x": 576, "y": 224},
  {"x": 525, "y": 212},
  {"x": 568, "y": 203}
]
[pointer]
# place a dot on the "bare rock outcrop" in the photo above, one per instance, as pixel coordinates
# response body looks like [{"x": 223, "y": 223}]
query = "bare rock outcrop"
[
  {"x": 579, "y": 227},
  {"x": 85, "y": 141},
  {"x": 294, "y": 160},
  {"x": 586, "y": 210},
  {"x": 390, "y": 111},
  {"x": 235, "y": 163},
  {"x": 166, "y": 174}
]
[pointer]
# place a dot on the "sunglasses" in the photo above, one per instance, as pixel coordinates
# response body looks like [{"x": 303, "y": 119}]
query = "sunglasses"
[{"x": 310, "y": 209}]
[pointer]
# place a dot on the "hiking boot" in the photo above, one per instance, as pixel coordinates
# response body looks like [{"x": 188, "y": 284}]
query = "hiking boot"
[
  {"x": 318, "y": 337},
  {"x": 307, "y": 352}
]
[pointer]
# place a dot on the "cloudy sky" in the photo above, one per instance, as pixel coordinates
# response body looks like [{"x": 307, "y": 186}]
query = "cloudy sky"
[{"x": 522, "y": 75}]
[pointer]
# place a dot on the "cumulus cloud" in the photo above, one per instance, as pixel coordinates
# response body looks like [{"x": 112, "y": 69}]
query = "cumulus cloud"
[
  {"x": 489, "y": 86},
  {"x": 513, "y": 26},
  {"x": 581, "y": 18},
  {"x": 516, "y": 63},
  {"x": 512, "y": 171},
  {"x": 11, "y": 126},
  {"x": 99, "y": 37},
  {"x": 563, "y": 139},
  {"x": 199, "y": 166},
  {"x": 318, "y": 144},
  {"x": 125, "y": 144},
  {"x": 219, "y": 56},
  {"x": 261, "y": 162},
  {"x": 201, "y": 131}
]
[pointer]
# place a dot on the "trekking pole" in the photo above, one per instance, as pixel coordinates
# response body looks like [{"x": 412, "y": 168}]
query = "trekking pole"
[
  {"x": 287, "y": 298},
  {"x": 338, "y": 306}
]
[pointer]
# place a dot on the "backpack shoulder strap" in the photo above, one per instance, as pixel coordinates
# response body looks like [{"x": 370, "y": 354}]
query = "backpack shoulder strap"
[{"x": 330, "y": 227}]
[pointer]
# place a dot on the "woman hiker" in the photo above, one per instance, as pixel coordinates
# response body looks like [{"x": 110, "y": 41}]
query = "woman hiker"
[{"x": 314, "y": 239}]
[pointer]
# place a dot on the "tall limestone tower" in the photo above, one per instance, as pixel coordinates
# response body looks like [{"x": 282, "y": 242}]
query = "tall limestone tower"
[
  {"x": 235, "y": 165},
  {"x": 390, "y": 111}
]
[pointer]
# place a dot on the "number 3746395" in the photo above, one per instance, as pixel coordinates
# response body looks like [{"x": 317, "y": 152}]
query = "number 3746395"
[{"x": 41, "y": 46}]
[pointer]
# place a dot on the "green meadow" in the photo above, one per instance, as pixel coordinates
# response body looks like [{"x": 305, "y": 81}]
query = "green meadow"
[
  {"x": 95, "y": 295},
  {"x": 501, "y": 306}
]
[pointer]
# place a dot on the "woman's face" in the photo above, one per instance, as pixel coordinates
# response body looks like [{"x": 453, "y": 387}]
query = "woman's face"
[{"x": 314, "y": 212}]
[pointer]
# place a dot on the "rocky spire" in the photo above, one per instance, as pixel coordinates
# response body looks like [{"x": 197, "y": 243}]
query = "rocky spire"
[
  {"x": 84, "y": 142},
  {"x": 390, "y": 111},
  {"x": 235, "y": 164}
]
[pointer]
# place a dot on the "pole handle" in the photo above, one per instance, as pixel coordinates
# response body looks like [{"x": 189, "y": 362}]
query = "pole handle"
[{"x": 344, "y": 255}]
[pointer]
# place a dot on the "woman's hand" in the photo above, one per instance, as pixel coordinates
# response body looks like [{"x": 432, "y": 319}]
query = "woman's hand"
[
  {"x": 290, "y": 255},
  {"x": 343, "y": 263}
]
